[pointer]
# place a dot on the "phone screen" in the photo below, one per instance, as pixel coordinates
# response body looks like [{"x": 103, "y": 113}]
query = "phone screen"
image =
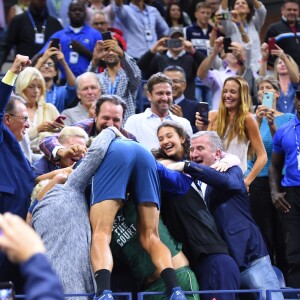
[
  {"x": 174, "y": 43},
  {"x": 227, "y": 43},
  {"x": 106, "y": 36},
  {"x": 60, "y": 119},
  {"x": 7, "y": 291},
  {"x": 203, "y": 111},
  {"x": 55, "y": 43},
  {"x": 268, "y": 99}
]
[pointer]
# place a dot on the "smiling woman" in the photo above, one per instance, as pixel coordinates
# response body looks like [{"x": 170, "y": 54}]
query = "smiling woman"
[{"x": 237, "y": 127}]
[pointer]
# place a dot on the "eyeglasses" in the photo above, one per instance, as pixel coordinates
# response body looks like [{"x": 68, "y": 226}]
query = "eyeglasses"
[
  {"x": 178, "y": 81},
  {"x": 48, "y": 64},
  {"x": 99, "y": 23},
  {"x": 24, "y": 119}
]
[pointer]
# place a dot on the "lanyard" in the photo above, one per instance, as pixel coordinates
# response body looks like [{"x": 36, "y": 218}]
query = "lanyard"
[
  {"x": 57, "y": 5},
  {"x": 112, "y": 88},
  {"x": 34, "y": 25}
]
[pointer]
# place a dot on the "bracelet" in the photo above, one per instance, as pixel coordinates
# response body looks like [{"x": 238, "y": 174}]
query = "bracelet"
[
  {"x": 238, "y": 24},
  {"x": 215, "y": 29},
  {"x": 243, "y": 33}
]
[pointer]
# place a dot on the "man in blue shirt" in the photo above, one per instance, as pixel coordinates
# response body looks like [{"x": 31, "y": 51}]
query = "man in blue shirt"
[
  {"x": 285, "y": 191},
  {"x": 77, "y": 40}
]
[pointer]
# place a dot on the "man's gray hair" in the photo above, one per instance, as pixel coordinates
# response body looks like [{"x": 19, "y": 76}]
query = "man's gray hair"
[
  {"x": 215, "y": 141},
  {"x": 87, "y": 75},
  {"x": 11, "y": 106}
]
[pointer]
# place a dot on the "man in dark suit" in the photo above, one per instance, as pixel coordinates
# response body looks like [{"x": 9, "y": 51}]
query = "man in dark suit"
[
  {"x": 181, "y": 107},
  {"x": 227, "y": 199}
]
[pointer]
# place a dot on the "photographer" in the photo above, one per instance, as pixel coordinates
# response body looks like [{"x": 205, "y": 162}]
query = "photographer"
[{"x": 173, "y": 50}]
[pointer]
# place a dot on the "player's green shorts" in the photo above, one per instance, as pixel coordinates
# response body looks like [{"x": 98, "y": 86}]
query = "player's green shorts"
[{"x": 186, "y": 279}]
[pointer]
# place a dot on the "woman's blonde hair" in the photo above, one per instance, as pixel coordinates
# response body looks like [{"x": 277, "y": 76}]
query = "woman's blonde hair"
[
  {"x": 26, "y": 77},
  {"x": 237, "y": 127},
  {"x": 72, "y": 131},
  {"x": 295, "y": 65}
]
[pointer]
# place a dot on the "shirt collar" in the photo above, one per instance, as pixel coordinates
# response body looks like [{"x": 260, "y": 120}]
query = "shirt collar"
[
  {"x": 179, "y": 99},
  {"x": 181, "y": 53}
]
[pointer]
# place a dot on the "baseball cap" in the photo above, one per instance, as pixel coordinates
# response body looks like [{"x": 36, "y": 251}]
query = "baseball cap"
[{"x": 174, "y": 30}]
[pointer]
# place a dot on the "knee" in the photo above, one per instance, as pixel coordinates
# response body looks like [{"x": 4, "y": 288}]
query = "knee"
[{"x": 148, "y": 237}]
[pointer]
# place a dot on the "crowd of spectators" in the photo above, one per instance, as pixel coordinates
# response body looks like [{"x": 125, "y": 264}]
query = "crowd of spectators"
[{"x": 107, "y": 104}]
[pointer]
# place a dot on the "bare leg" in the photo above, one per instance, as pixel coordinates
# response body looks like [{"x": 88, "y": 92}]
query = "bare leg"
[
  {"x": 102, "y": 217},
  {"x": 148, "y": 218}
]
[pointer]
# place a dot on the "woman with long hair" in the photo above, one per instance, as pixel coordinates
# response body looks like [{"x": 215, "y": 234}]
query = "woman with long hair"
[
  {"x": 174, "y": 16},
  {"x": 236, "y": 125}
]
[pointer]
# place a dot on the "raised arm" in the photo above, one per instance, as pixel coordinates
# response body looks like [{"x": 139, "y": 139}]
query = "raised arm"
[
  {"x": 206, "y": 64},
  {"x": 90, "y": 163}
]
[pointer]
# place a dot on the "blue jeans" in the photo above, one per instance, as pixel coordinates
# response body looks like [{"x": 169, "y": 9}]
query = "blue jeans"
[{"x": 260, "y": 275}]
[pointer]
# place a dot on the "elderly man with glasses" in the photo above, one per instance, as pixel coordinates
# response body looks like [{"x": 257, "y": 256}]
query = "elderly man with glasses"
[{"x": 17, "y": 179}]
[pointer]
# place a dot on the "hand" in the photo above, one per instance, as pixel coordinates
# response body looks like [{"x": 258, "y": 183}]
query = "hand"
[
  {"x": 238, "y": 51},
  {"x": 179, "y": 166},
  {"x": 62, "y": 176},
  {"x": 98, "y": 53},
  {"x": 20, "y": 63},
  {"x": 112, "y": 45},
  {"x": 49, "y": 126},
  {"x": 160, "y": 45},
  {"x": 279, "y": 52},
  {"x": 18, "y": 240},
  {"x": 221, "y": 166},
  {"x": 50, "y": 51},
  {"x": 265, "y": 51},
  {"x": 74, "y": 151},
  {"x": 280, "y": 203},
  {"x": 260, "y": 113},
  {"x": 218, "y": 45},
  {"x": 270, "y": 115},
  {"x": 176, "y": 110},
  {"x": 188, "y": 46},
  {"x": 235, "y": 16},
  {"x": 117, "y": 132},
  {"x": 200, "y": 122}
]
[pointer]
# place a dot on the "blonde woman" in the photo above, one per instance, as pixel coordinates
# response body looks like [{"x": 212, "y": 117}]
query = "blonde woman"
[
  {"x": 236, "y": 125},
  {"x": 30, "y": 85}
]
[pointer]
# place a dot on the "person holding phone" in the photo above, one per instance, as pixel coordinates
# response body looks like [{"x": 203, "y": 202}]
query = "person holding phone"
[
  {"x": 286, "y": 71},
  {"x": 161, "y": 56},
  {"x": 247, "y": 19},
  {"x": 121, "y": 77},
  {"x": 237, "y": 127},
  {"x": 263, "y": 211},
  {"x": 47, "y": 63},
  {"x": 237, "y": 62}
]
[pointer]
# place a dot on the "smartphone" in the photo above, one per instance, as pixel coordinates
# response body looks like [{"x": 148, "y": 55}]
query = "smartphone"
[
  {"x": 271, "y": 43},
  {"x": 55, "y": 43},
  {"x": 225, "y": 16},
  {"x": 60, "y": 119},
  {"x": 107, "y": 36},
  {"x": 203, "y": 111},
  {"x": 7, "y": 291},
  {"x": 227, "y": 43},
  {"x": 173, "y": 43},
  {"x": 268, "y": 99}
]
